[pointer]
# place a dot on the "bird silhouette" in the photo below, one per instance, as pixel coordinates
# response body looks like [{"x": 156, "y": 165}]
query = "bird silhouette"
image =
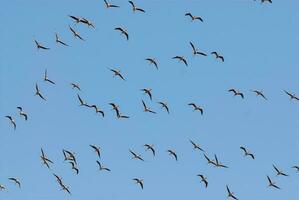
[
  {"x": 172, "y": 153},
  {"x": 109, "y": 5},
  {"x": 271, "y": 183},
  {"x": 193, "y": 17},
  {"x": 58, "y": 40},
  {"x": 152, "y": 61},
  {"x": 16, "y": 181},
  {"x": 102, "y": 168},
  {"x": 203, "y": 179},
  {"x": 96, "y": 149},
  {"x": 195, "y": 107},
  {"x": 218, "y": 56},
  {"x": 136, "y": 156},
  {"x": 138, "y": 181},
  {"x": 46, "y": 79},
  {"x": 76, "y": 34},
  {"x": 150, "y": 147},
  {"x": 236, "y": 93},
  {"x": 147, "y": 109},
  {"x": 196, "y": 146},
  {"x": 247, "y": 153},
  {"x": 230, "y": 194},
  {"x": 38, "y": 93},
  {"x": 181, "y": 59},
  {"x": 195, "y": 51},
  {"x": 12, "y": 121},
  {"x": 39, "y": 46},
  {"x": 164, "y": 105},
  {"x": 123, "y": 31},
  {"x": 134, "y": 8}
]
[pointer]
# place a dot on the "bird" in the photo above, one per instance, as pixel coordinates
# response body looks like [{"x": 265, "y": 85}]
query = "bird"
[
  {"x": 218, "y": 56},
  {"x": 152, "y": 61},
  {"x": 12, "y": 121},
  {"x": 117, "y": 73},
  {"x": 87, "y": 22},
  {"x": 22, "y": 113},
  {"x": 38, "y": 93},
  {"x": 75, "y": 85},
  {"x": 193, "y": 18},
  {"x": 263, "y": 1},
  {"x": 203, "y": 179},
  {"x": 164, "y": 105},
  {"x": 96, "y": 149},
  {"x": 76, "y": 19},
  {"x": 147, "y": 109},
  {"x": 82, "y": 102},
  {"x": 230, "y": 194},
  {"x": 218, "y": 164},
  {"x": 58, "y": 40},
  {"x": 16, "y": 181},
  {"x": 58, "y": 179},
  {"x": 247, "y": 153},
  {"x": 150, "y": 147},
  {"x": 209, "y": 160},
  {"x": 195, "y": 107},
  {"x": 236, "y": 93},
  {"x": 102, "y": 167},
  {"x": 76, "y": 34},
  {"x": 39, "y": 46},
  {"x": 147, "y": 91},
  {"x": 122, "y": 31},
  {"x": 279, "y": 172},
  {"x": 98, "y": 110},
  {"x": 121, "y": 116},
  {"x": 2, "y": 187},
  {"x": 196, "y": 146},
  {"x": 136, "y": 8},
  {"x": 74, "y": 167},
  {"x": 108, "y": 5},
  {"x": 116, "y": 108},
  {"x": 272, "y": 184},
  {"x": 292, "y": 96},
  {"x": 136, "y": 156},
  {"x": 171, "y": 152},
  {"x": 46, "y": 79},
  {"x": 195, "y": 51},
  {"x": 45, "y": 159},
  {"x": 296, "y": 167},
  {"x": 181, "y": 58},
  {"x": 259, "y": 93},
  {"x": 65, "y": 188},
  {"x": 69, "y": 156},
  {"x": 139, "y": 181}
]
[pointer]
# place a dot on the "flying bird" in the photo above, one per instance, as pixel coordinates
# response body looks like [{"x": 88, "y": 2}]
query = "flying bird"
[
  {"x": 193, "y": 18},
  {"x": 96, "y": 149},
  {"x": 75, "y": 85},
  {"x": 45, "y": 159},
  {"x": 150, "y": 147},
  {"x": 46, "y": 79},
  {"x": 22, "y": 113},
  {"x": 108, "y": 5},
  {"x": 164, "y": 105},
  {"x": 263, "y": 1},
  {"x": 196, "y": 146},
  {"x": 247, "y": 153},
  {"x": 82, "y": 102},
  {"x": 218, "y": 164},
  {"x": 230, "y": 194},
  {"x": 98, "y": 110},
  {"x": 102, "y": 167},
  {"x": 76, "y": 34},
  {"x": 122, "y": 31},
  {"x": 87, "y": 22},
  {"x": 117, "y": 73},
  {"x": 195, "y": 107},
  {"x": 38, "y": 93},
  {"x": 148, "y": 92},
  {"x": 147, "y": 109},
  {"x": 2, "y": 187},
  {"x": 181, "y": 58},
  {"x": 76, "y": 19},
  {"x": 279, "y": 172},
  {"x": 39, "y": 46},
  {"x": 272, "y": 184},
  {"x": 12, "y": 121},
  {"x": 259, "y": 93},
  {"x": 136, "y": 8},
  {"x": 172, "y": 153},
  {"x": 195, "y": 51},
  {"x": 292, "y": 96},
  {"x": 218, "y": 56},
  {"x": 296, "y": 167},
  {"x": 152, "y": 61},
  {"x": 139, "y": 181},
  {"x": 236, "y": 93},
  {"x": 69, "y": 156},
  {"x": 58, "y": 40},
  {"x": 136, "y": 156},
  {"x": 16, "y": 181},
  {"x": 74, "y": 167},
  {"x": 203, "y": 179},
  {"x": 209, "y": 160}
]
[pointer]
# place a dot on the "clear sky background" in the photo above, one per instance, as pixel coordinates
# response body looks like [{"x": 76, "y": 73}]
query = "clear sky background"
[{"x": 260, "y": 43}]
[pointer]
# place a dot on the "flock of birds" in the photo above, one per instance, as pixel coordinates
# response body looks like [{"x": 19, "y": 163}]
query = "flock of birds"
[{"x": 70, "y": 156}]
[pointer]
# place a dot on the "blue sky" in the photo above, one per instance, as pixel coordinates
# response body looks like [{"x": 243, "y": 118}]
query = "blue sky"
[{"x": 260, "y": 43}]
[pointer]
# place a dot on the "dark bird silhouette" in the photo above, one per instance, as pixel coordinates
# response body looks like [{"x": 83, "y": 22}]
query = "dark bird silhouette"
[
  {"x": 76, "y": 34},
  {"x": 136, "y": 8},
  {"x": 139, "y": 181},
  {"x": 164, "y": 105},
  {"x": 247, "y": 153},
  {"x": 116, "y": 108},
  {"x": 172, "y": 153},
  {"x": 102, "y": 168},
  {"x": 148, "y": 92},
  {"x": 203, "y": 179},
  {"x": 69, "y": 156},
  {"x": 75, "y": 85},
  {"x": 122, "y": 31},
  {"x": 46, "y": 79},
  {"x": 22, "y": 113},
  {"x": 39, "y": 46},
  {"x": 196, "y": 146},
  {"x": 76, "y": 19},
  {"x": 181, "y": 59},
  {"x": 292, "y": 96},
  {"x": 218, "y": 56},
  {"x": 195, "y": 51},
  {"x": 279, "y": 172},
  {"x": 193, "y": 18},
  {"x": 272, "y": 184},
  {"x": 195, "y": 107},
  {"x": 147, "y": 109},
  {"x": 117, "y": 73},
  {"x": 150, "y": 147},
  {"x": 296, "y": 167},
  {"x": 96, "y": 149},
  {"x": 98, "y": 110},
  {"x": 109, "y": 5},
  {"x": 16, "y": 181},
  {"x": 2, "y": 187},
  {"x": 236, "y": 93},
  {"x": 74, "y": 167},
  {"x": 87, "y": 22},
  {"x": 136, "y": 156},
  {"x": 259, "y": 93},
  {"x": 38, "y": 93},
  {"x": 264, "y": 1},
  {"x": 58, "y": 40},
  {"x": 82, "y": 102},
  {"x": 152, "y": 61},
  {"x": 45, "y": 159},
  {"x": 12, "y": 121},
  {"x": 218, "y": 164},
  {"x": 230, "y": 194},
  {"x": 209, "y": 160}
]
